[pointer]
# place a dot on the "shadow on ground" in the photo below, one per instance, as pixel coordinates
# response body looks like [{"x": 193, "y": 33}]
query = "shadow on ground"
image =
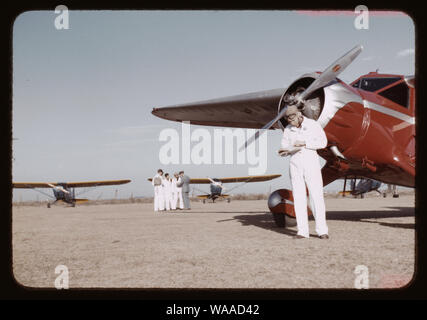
[{"x": 265, "y": 220}]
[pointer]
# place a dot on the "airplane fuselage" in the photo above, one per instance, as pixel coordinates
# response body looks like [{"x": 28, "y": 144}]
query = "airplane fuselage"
[
  {"x": 215, "y": 189},
  {"x": 67, "y": 196}
]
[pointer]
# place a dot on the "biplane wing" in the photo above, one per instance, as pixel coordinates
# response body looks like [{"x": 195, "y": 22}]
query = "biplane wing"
[
  {"x": 31, "y": 185},
  {"x": 260, "y": 178},
  {"x": 207, "y": 196},
  {"x": 65, "y": 191},
  {"x": 233, "y": 179},
  {"x": 203, "y": 196}
]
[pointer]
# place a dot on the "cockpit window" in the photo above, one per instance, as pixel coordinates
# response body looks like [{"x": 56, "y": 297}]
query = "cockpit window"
[
  {"x": 374, "y": 84},
  {"x": 398, "y": 94},
  {"x": 356, "y": 84}
]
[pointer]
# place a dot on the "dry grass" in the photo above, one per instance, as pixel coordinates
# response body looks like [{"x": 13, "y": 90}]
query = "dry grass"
[
  {"x": 238, "y": 196},
  {"x": 221, "y": 245}
]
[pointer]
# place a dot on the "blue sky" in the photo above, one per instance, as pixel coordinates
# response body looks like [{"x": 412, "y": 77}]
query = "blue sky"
[{"x": 82, "y": 97}]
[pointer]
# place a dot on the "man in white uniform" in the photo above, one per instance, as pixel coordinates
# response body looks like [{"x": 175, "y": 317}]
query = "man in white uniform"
[
  {"x": 177, "y": 192},
  {"x": 301, "y": 138},
  {"x": 157, "y": 182},
  {"x": 167, "y": 191}
]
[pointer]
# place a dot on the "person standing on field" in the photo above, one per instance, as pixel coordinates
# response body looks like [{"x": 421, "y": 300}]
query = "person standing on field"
[
  {"x": 167, "y": 191},
  {"x": 185, "y": 190},
  {"x": 157, "y": 183},
  {"x": 177, "y": 192},
  {"x": 301, "y": 138}
]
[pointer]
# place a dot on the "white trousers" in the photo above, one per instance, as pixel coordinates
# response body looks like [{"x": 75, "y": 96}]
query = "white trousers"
[
  {"x": 173, "y": 200},
  {"x": 159, "y": 202},
  {"x": 168, "y": 199},
  {"x": 305, "y": 169},
  {"x": 177, "y": 196}
]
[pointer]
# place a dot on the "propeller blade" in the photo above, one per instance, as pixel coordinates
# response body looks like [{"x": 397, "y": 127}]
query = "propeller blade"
[
  {"x": 58, "y": 188},
  {"x": 332, "y": 71},
  {"x": 211, "y": 180},
  {"x": 327, "y": 76},
  {"x": 266, "y": 127},
  {"x": 216, "y": 183}
]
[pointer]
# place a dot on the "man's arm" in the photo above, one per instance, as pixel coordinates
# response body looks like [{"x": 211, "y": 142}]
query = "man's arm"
[
  {"x": 316, "y": 138},
  {"x": 179, "y": 183},
  {"x": 286, "y": 148},
  {"x": 286, "y": 142}
]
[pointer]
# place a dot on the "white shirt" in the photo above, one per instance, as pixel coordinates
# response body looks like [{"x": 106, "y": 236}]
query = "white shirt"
[
  {"x": 310, "y": 132},
  {"x": 173, "y": 185},
  {"x": 167, "y": 184},
  {"x": 177, "y": 183}
]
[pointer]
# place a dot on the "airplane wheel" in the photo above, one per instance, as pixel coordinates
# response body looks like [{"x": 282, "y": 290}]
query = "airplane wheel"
[
  {"x": 228, "y": 200},
  {"x": 362, "y": 196},
  {"x": 395, "y": 196},
  {"x": 204, "y": 201},
  {"x": 48, "y": 205},
  {"x": 279, "y": 219},
  {"x": 385, "y": 195}
]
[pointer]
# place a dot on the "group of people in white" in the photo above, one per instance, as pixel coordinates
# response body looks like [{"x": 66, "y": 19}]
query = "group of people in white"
[{"x": 168, "y": 191}]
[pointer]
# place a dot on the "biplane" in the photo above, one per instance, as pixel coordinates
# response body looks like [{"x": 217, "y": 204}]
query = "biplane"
[
  {"x": 369, "y": 123},
  {"x": 364, "y": 185},
  {"x": 65, "y": 191},
  {"x": 216, "y": 185}
]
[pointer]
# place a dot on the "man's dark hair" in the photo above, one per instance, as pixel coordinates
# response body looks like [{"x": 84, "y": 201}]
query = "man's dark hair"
[
  {"x": 167, "y": 174},
  {"x": 160, "y": 170},
  {"x": 181, "y": 172}
]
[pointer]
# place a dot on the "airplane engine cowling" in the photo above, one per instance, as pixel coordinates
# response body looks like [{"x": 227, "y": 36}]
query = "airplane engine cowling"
[{"x": 313, "y": 105}]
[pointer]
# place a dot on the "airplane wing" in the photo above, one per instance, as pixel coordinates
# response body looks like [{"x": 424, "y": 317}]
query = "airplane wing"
[
  {"x": 96, "y": 183},
  {"x": 236, "y": 179},
  {"x": 203, "y": 196},
  {"x": 30, "y": 185},
  {"x": 251, "y": 110}
]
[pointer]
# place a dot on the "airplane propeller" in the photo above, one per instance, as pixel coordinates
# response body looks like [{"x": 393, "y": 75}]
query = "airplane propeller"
[
  {"x": 329, "y": 74},
  {"x": 58, "y": 188},
  {"x": 218, "y": 184}
]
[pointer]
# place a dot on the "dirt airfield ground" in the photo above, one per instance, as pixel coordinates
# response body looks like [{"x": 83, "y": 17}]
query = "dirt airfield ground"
[{"x": 221, "y": 245}]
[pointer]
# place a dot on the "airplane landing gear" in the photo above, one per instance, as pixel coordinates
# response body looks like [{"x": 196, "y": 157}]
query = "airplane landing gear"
[{"x": 279, "y": 219}]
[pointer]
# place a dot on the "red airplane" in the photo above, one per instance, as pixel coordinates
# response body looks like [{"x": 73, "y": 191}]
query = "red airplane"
[{"x": 370, "y": 123}]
